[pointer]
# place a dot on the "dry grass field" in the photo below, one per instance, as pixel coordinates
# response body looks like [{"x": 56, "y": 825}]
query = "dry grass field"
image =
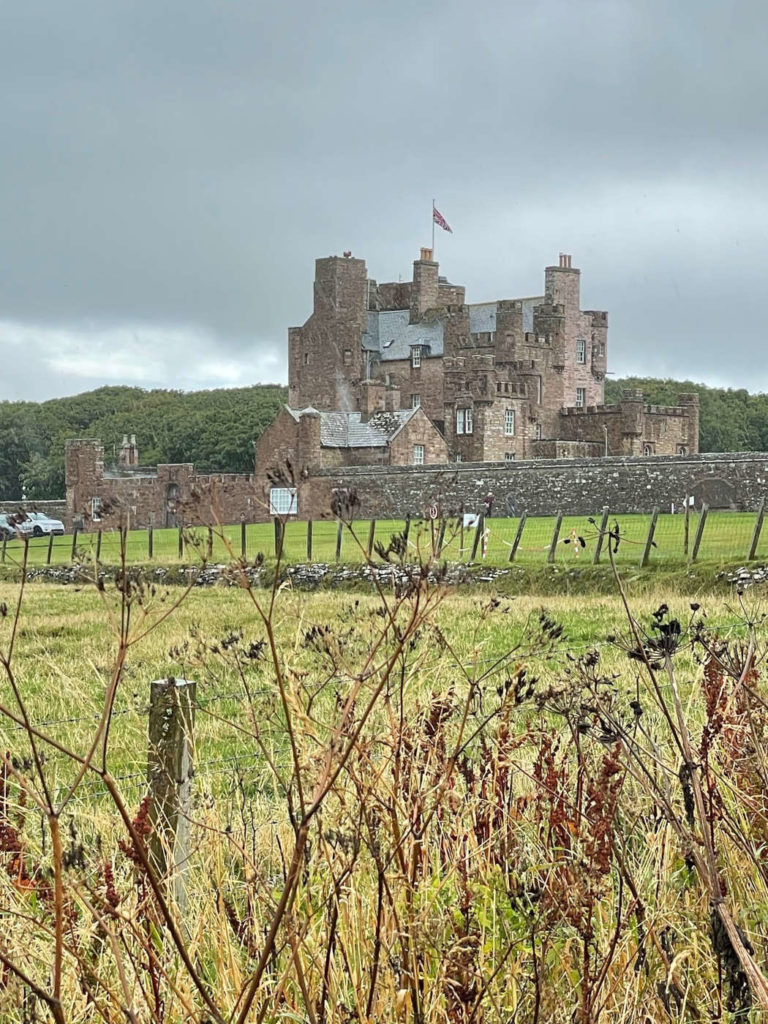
[{"x": 411, "y": 805}]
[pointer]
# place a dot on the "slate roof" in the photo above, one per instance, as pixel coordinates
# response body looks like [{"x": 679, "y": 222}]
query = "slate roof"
[
  {"x": 390, "y": 334},
  {"x": 347, "y": 430},
  {"x": 482, "y": 316}
]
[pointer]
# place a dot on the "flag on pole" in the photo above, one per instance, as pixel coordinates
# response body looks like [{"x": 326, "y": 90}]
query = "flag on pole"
[{"x": 440, "y": 220}]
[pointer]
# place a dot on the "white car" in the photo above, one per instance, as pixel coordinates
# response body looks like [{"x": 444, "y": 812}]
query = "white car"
[{"x": 38, "y": 524}]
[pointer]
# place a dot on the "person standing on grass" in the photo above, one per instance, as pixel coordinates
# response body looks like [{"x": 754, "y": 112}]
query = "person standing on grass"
[{"x": 488, "y": 502}]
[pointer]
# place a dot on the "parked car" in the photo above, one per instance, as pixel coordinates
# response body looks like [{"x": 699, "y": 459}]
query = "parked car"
[
  {"x": 7, "y": 532},
  {"x": 38, "y": 524}
]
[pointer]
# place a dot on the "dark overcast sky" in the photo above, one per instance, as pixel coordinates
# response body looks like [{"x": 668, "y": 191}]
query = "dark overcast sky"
[{"x": 170, "y": 171}]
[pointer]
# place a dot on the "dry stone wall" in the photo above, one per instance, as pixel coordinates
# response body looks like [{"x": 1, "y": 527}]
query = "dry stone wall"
[{"x": 544, "y": 487}]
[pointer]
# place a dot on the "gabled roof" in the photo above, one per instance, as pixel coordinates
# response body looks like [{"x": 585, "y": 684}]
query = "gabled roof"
[{"x": 347, "y": 429}]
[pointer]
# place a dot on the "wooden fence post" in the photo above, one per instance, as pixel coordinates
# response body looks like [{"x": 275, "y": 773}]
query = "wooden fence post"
[
  {"x": 74, "y": 543},
  {"x": 98, "y": 546},
  {"x": 169, "y": 775},
  {"x": 649, "y": 539},
  {"x": 278, "y": 527},
  {"x": 440, "y": 537},
  {"x": 309, "y": 540},
  {"x": 518, "y": 537},
  {"x": 406, "y": 531},
  {"x": 181, "y": 542},
  {"x": 479, "y": 530},
  {"x": 555, "y": 536},
  {"x": 210, "y": 542},
  {"x": 243, "y": 538},
  {"x": 601, "y": 536},
  {"x": 756, "y": 532},
  {"x": 50, "y": 549},
  {"x": 699, "y": 532},
  {"x": 371, "y": 538},
  {"x": 2, "y": 553},
  {"x": 339, "y": 537},
  {"x": 151, "y": 541}
]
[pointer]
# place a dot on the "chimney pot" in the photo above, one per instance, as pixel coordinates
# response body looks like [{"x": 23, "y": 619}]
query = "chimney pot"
[{"x": 426, "y": 254}]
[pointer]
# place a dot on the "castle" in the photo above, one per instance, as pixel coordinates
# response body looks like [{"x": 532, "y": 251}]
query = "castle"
[
  {"x": 409, "y": 373},
  {"x": 398, "y": 382}
]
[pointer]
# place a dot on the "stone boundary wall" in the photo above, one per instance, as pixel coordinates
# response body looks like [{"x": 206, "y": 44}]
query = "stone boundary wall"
[{"x": 544, "y": 487}]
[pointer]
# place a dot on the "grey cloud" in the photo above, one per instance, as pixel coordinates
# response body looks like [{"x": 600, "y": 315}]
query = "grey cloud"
[{"x": 180, "y": 165}]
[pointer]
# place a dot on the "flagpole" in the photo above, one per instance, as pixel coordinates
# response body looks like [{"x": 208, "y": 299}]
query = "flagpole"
[{"x": 433, "y": 229}]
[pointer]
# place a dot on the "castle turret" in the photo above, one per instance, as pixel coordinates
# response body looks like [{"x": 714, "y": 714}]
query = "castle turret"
[
  {"x": 325, "y": 356},
  {"x": 561, "y": 284}
]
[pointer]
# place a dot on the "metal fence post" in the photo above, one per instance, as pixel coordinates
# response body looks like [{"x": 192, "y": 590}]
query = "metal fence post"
[
  {"x": 699, "y": 532},
  {"x": 756, "y": 532},
  {"x": 181, "y": 542},
  {"x": 210, "y": 542},
  {"x": 98, "y": 546},
  {"x": 278, "y": 528},
  {"x": 243, "y": 539},
  {"x": 555, "y": 536},
  {"x": 601, "y": 536},
  {"x": 151, "y": 541},
  {"x": 309, "y": 540},
  {"x": 371, "y": 538},
  {"x": 169, "y": 775},
  {"x": 518, "y": 537},
  {"x": 649, "y": 539},
  {"x": 74, "y": 544},
  {"x": 50, "y": 549}
]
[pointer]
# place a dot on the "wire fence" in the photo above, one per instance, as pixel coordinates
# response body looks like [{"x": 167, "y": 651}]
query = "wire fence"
[{"x": 723, "y": 537}]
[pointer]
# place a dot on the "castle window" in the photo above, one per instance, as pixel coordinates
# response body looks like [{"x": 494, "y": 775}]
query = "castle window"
[
  {"x": 537, "y": 431},
  {"x": 464, "y": 424},
  {"x": 509, "y": 456},
  {"x": 601, "y": 348},
  {"x": 542, "y": 339},
  {"x": 647, "y": 449},
  {"x": 306, "y": 358},
  {"x": 415, "y": 401},
  {"x": 347, "y": 356},
  {"x": 283, "y": 501},
  {"x": 416, "y": 357},
  {"x": 538, "y": 390},
  {"x": 581, "y": 351},
  {"x": 682, "y": 449},
  {"x": 509, "y": 422},
  {"x": 458, "y": 456},
  {"x": 95, "y": 509},
  {"x": 418, "y": 455},
  {"x": 581, "y": 397}
]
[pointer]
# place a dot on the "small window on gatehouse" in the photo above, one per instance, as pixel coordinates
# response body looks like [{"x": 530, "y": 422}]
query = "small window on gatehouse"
[{"x": 283, "y": 501}]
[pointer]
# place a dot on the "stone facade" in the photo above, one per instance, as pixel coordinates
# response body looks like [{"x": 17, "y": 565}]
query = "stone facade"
[
  {"x": 496, "y": 378},
  {"x": 162, "y": 496}
]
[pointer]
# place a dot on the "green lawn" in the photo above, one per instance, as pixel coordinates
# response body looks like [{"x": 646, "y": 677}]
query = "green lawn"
[{"x": 726, "y": 539}]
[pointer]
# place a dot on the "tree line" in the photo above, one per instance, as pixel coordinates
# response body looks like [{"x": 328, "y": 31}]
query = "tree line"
[{"x": 216, "y": 429}]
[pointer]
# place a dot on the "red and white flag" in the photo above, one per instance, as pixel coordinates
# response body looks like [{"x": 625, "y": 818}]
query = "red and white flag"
[{"x": 440, "y": 220}]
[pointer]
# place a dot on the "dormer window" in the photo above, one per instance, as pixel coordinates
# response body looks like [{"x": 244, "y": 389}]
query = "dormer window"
[{"x": 416, "y": 357}]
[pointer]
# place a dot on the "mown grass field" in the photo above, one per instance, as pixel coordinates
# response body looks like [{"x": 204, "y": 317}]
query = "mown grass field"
[
  {"x": 726, "y": 539},
  {"x": 507, "y": 836}
]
